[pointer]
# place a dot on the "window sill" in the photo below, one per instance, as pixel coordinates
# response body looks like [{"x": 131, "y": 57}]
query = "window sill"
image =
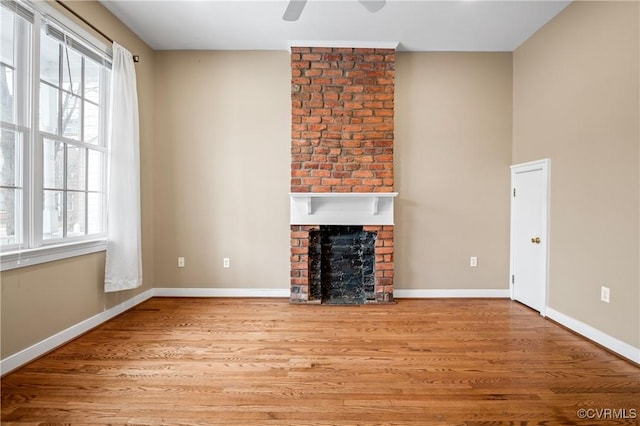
[{"x": 30, "y": 257}]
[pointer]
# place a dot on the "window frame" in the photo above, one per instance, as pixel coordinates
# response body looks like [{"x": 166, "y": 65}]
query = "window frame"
[
  {"x": 22, "y": 124},
  {"x": 33, "y": 248}
]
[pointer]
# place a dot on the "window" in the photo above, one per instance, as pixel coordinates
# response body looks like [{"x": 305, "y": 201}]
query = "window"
[
  {"x": 15, "y": 120},
  {"x": 54, "y": 87}
]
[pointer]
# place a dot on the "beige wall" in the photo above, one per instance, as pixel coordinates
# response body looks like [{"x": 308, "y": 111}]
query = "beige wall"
[
  {"x": 222, "y": 167},
  {"x": 452, "y": 157},
  {"x": 222, "y": 163},
  {"x": 40, "y": 301},
  {"x": 576, "y": 102}
]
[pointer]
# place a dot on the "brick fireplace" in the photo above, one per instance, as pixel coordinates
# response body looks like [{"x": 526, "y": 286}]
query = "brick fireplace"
[{"x": 342, "y": 135}]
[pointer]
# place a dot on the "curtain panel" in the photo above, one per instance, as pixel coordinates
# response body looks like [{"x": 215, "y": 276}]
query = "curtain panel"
[{"x": 123, "y": 270}]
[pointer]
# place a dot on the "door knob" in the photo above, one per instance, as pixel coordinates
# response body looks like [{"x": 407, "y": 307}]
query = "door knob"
[{"x": 535, "y": 240}]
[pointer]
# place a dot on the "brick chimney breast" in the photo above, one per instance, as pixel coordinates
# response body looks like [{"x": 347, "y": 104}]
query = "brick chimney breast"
[{"x": 342, "y": 133}]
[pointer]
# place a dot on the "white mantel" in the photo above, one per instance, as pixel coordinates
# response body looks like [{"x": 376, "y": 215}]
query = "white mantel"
[{"x": 341, "y": 208}]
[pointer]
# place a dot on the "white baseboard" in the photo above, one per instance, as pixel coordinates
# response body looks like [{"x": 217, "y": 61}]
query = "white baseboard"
[
  {"x": 277, "y": 292},
  {"x": 27, "y": 355},
  {"x": 621, "y": 348},
  {"x": 451, "y": 293},
  {"x": 284, "y": 292},
  {"x": 221, "y": 292}
]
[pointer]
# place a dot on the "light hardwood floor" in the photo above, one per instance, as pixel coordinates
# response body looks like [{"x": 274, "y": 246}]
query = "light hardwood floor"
[{"x": 205, "y": 361}]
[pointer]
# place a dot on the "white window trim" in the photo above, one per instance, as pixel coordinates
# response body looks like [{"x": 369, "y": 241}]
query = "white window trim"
[
  {"x": 20, "y": 258},
  {"x": 29, "y": 257},
  {"x": 75, "y": 29}
]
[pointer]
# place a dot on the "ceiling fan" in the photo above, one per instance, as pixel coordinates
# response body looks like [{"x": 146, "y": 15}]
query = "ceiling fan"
[{"x": 295, "y": 7}]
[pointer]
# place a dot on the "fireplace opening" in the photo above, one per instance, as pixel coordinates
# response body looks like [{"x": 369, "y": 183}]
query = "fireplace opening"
[{"x": 342, "y": 265}]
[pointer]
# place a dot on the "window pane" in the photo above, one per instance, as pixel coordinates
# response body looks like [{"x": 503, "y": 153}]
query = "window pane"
[
  {"x": 53, "y": 164},
  {"x": 52, "y": 215},
  {"x": 76, "y": 160},
  {"x": 6, "y": 35},
  {"x": 75, "y": 214},
  {"x": 10, "y": 154},
  {"x": 95, "y": 170},
  {"x": 10, "y": 201},
  {"x": 91, "y": 81},
  {"x": 71, "y": 116},
  {"x": 71, "y": 71},
  {"x": 91, "y": 123},
  {"x": 22, "y": 73},
  {"x": 49, "y": 60},
  {"x": 48, "y": 109},
  {"x": 7, "y": 91},
  {"x": 95, "y": 210}
]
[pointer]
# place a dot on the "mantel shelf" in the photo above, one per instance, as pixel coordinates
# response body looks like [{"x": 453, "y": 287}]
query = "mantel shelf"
[{"x": 342, "y": 208}]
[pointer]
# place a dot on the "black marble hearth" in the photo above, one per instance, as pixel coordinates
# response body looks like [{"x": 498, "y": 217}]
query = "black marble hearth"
[{"x": 341, "y": 265}]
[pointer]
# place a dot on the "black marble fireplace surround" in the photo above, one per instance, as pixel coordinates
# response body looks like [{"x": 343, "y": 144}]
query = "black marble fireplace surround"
[{"x": 342, "y": 265}]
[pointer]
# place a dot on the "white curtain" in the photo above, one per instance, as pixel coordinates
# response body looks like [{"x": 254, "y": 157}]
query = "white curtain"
[{"x": 124, "y": 247}]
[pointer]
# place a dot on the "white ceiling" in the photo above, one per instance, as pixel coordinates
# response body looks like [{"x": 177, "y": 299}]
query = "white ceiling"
[{"x": 417, "y": 25}]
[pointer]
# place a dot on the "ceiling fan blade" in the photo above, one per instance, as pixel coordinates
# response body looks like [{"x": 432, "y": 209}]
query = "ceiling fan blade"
[
  {"x": 373, "y": 5},
  {"x": 294, "y": 9}
]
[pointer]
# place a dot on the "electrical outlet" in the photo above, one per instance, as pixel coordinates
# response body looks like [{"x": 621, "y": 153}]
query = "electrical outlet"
[
  {"x": 225, "y": 262},
  {"x": 181, "y": 262},
  {"x": 605, "y": 293},
  {"x": 473, "y": 261}
]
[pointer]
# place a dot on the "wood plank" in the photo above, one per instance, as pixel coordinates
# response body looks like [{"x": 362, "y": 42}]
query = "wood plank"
[{"x": 265, "y": 361}]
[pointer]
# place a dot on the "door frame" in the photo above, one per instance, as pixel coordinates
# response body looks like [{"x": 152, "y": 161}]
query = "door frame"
[{"x": 543, "y": 165}]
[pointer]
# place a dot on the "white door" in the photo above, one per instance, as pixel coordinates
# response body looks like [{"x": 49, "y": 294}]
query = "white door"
[{"x": 529, "y": 233}]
